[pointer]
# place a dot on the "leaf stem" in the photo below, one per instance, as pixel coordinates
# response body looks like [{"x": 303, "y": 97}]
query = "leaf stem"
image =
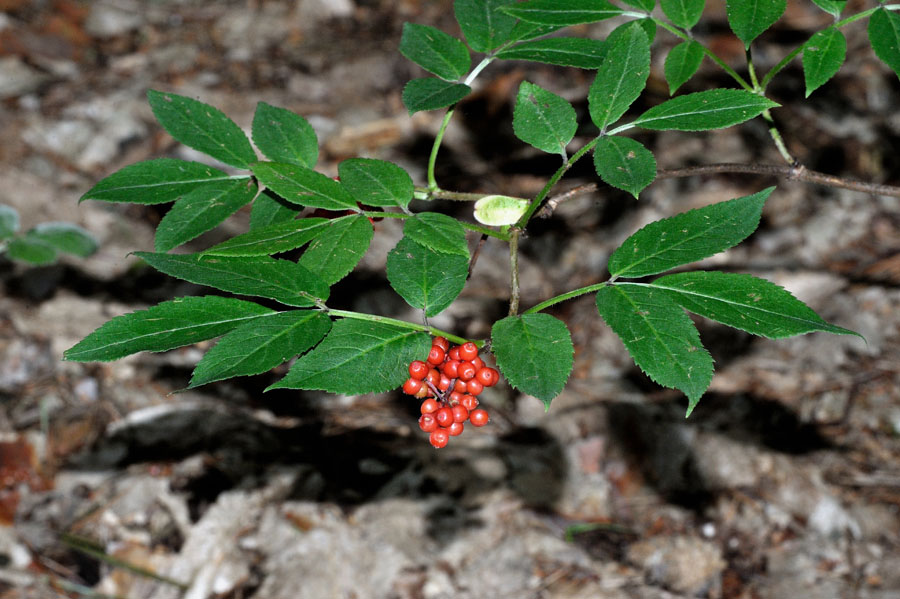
[
  {"x": 565, "y": 296},
  {"x": 514, "y": 270},
  {"x": 470, "y": 226},
  {"x": 405, "y": 324}
]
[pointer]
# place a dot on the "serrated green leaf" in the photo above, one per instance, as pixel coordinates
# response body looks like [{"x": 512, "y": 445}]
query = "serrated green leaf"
[
  {"x": 300, "y": 185},
  {"x": 622, "y": 76},
  {"x": 435, "y": 51},
  {"x": 284, "y": 136},
  {"x": 683, "y": 13},
  {"x": 543, "y": 119},
  {"x": 280, "y": 280},
  {"x": 823, "y": 56},
  {"x": 579, "y": 52},
  {"x": 429, "y": 93},
  {"x": 168, "y": 325},
  {"x": 484, "y": 26},
  {"x": 273, "y": 239},
  {"x": 659, "y": 336},
  {"x": 563, "y": 13},
  {"x": 701, "y": 111},
  {"x": 682, "y": 62},
  {"x": 497, "y": 210},
  {"x": 647, "y": 24},
  {"x": 437, "y": 231},
  {"x": 269, "y": 209},
  {"x": 358, "y": 357},
  {"x": 65, "y": 237},
  {"x": 884, "y": 35},
  {"x": 745, "y": 302},
  {"x": 202, "y": 210},
  {"x": 30, "y": 250},
  {"x": 426, "y": 279},
  {"x": 526, "y": 31},
  {"x": 202, "y": 127},
  {"x": 624, "y": 163},
  {"x": 376, "y": 182},
  {"x": 335, "y": 251},
  {"x": 688, "y": 237},
  {"x": 834, "y": 7},
  {"x": 647, "y": 5},
  {"x": 260, "y": 345},
  {"x": 749, "y": 18},
  {"x": 154, "y": 181},
  {"x": 535, "y": 354},
  {"x": 9, "y": 221}
]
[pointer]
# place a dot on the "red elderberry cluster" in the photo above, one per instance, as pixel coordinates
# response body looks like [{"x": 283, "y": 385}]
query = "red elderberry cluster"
[{"x": 448, "y": 383}]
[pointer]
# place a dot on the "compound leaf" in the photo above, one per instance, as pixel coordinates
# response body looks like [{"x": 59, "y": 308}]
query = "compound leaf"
[
  {"x": 682, "y": 62},
  {"x": 340, "y": 246},
  {"x": 437, "y": 231},
  {"x": 269, "y": 209},
  {"x": 9, "y": 221},
  {"x": 579, "y": 52},
  {"x": 562, "y": 14},
  {"x": 429, "y": 93},
  {"x": 272, "y": 239},
  {"x": 701, "y": 111},
  {"x": 376, "y": 182},
  {"x": 543, "y": 119},
  {"x": 481, "y": 21},
  {"x": 683, "y": 13},
  {"x": 304, "y": 186},
  {"x": 884, "y": 35},
  {"x": 823, "y": 56},
  {"x": 622, "y": 76},
  {"x": 435, "y": 51},
  {"x": 154, "y": 181},
  {"x": 284, "y": 136},
  {"x": 201, "y": 210},
  {"x": 749, "y": 18},
  {"x": 624, "y": 163},
  {"x": 426, "y": 279}
]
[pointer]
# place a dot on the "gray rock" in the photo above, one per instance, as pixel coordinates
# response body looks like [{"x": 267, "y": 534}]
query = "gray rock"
[
  {"x": 17, "y": 78},
  {"x": 111, "y": 19},
  {"x": 680, "y": 563}
]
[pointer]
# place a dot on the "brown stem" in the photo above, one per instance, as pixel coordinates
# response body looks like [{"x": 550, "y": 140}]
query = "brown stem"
[
  {"x": 475, "y": 255},
  {"x": 514, "y": 271}
]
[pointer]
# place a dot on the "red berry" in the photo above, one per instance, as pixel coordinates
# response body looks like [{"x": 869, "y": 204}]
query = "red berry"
[
  {"x": 427, "y": 423},
  {"x": 460, "y": 386},
  {"x": 429, "y": 406},
  {"x": 412, "y": 386},
  {"x": 423, "y": 392},
  {"x": 454, "y": 353},
  {"x": 455, "y": 429},
  {"x": 439, "y": 437},
  {"x": 444, "y": 416},
  {"x": 441, "y": 343},
  {"x": 436, "y": 355},
  {"x": 469, "y": 402},
  {"x": 478, "y": 362},
  {"x": 474, "y": 386},
  {"x": 433, "y": 377},
  {"x": 455, "y": 397},
  {"x": 450, "y": 367},
  {"x": 479, "y": 417},
  {"x": 460, "y": 414},
  {"x": 466, "y": 371},
  {"x": 418, "y": 369},
  {"x": 443, "y": 383},
  {"x": 484, "y": 376},
  {"x": 467, "y": 351}
]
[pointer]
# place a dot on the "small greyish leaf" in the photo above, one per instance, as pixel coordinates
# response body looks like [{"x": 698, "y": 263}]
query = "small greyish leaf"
[
  {"x": 543, "y": 119},
  {"x": 622, "y": 76},
  {"x": 701, "y": 111},
  {"x": 269, "y": 209},
  {"x": 823, "y": 56},
  {"x": 202, "y": 210},
  {"x": 749, "y": 18},
  {"x": 745, "y": 302},
  {"x": 624, "y": 163},
  {"x": 304, "y": 186},
  {"x": 261, "y": 345},
  {"x": 559, "y": 13},
  {"x": 834, "y": 7},
  {"x": 9, "y": 221},
  {"x": 481, "y": 21},
  {"x": 429, "y": 93},
  {"x": 202, "y": 127},
  {"x": 884, "y": 35},
  {"x": 535, "y": 354},
  {"x": 426, "y": 279},
  {"x": 30, "y": 250},
  {"x": 579, "y": 52},
  {"x": 284, "y": 136},
  {"x": 376, "y": 182},
  {"x": 281, "y": 280},
  {"x": 335, "y": 251},
  {"x": 65, "y": 237},
  {"x": 683, "y": 13},
  {"x": 681, "y": 63},
  {"x": 154, "y": 181},
  {"x": 647, "y": 5},
  {"x": 358, "y": 357},
  {"x": 273, "y": 239},
  {"x": 688, "y": 237},
  {"x": 659, "y": 337},
  {"x": 437, "y": 231},
  {"x": 497, "y": 210},
  {"x": 168, "y": 325},
  {"x": 435, "y": 51}
]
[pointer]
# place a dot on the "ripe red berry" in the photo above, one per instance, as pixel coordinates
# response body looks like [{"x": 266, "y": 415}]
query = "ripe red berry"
[
  {"x": 454, "y": 353},
  {"x": 455, "y": 429},
  {"x": 444, "y": 416},
  {"x": 433, "y": 377},
  {"x": 418, "y": 369},
  {"x": 441, "y": 343},
  {"x": 469, "y": 402},
  {"x": 479, "y": 417},
  {"x": 478, "y": 362},
  {"x": 455, "y": 397},
  {"x": 423, "y": 392},
  {"x": 487, "y": 376},
  {"x": 474, "y": 386},
  {"x": 450, "y": 368},
  {"x": 466, "y": 371},
  {"x": 460, "y": 386},
  {"x": 443, "y": 383},
  {"x": 460, "y": 414},
  {"x": 429, "y": 406},
  {"x": 428, "y": 423},
  {"x": 439, "y": 437},
  {"x": 468, "y": 350},
  {"x": 436, "y": 355},
  {"x": 412, "y": 386}
]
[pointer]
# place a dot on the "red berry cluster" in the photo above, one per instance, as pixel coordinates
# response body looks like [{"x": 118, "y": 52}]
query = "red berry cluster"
[{"x": 448, "y": 382}]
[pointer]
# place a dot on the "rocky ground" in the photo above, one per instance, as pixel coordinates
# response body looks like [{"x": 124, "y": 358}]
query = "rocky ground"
[{"x": 784, "y": 483}]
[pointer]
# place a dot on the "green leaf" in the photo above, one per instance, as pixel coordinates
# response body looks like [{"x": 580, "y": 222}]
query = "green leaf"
[
  {"x": 543, "y": 119},
  {"x": 526, "y": 31},
  {"x": 749, "y": 18},
  {"x": 659, "y": 336},
  {"x": 31, "y": 250},
  {"x": 273, "y": 239},
  {"x": 823, "y": 56},
  {"x": 304, "y": 186},
  {"x": 426, "y": 279},
  {"x": 168, "y": 325},
  {"x": 622, "y": 76},
  {"x": 563, "y": 13},
  {"x": 284, "y": 136},
  {"x": 688, "y": 237},
  {"x": 484, "y": 26},
  {"x": 269, "y": 209},
  {"x": 202, "y": 127},
  {"x": 439, "y": 232},
  {"x": 745, "y": 302},
  {"x": 338, "y": 248},
  {"x": 376, "y": 182},
  {"x": 834, "y": 7},
  {"x": 429, "y": 93},
  {"x": 280, "y": 280},
  {"x": 358, "y": 357},
  {"x": 681, "y": 63},
  {"x": 624, "y": 163},
  {"x": 435, "y": 51},
  {"x": 201, "y": 210},
  {"x": 261, "y": 345},
  {"x": 535, "y": 354},
  {"x": 65, "y": 237},
  {"x": 647, "y": 5},
  {"x": 9, "y": 221},
  {"x": 579, "y": 52},
  {"x": 683, "y": 13},
  {"x": 154, "y": 181},
  {"x": 884, "y": 35},
  {"x": 712, "y": 109},
  {"x": 497, "y": 210}
]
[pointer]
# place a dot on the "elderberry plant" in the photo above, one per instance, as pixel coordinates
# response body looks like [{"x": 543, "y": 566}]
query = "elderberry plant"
[{"x": 347, "y": 352}]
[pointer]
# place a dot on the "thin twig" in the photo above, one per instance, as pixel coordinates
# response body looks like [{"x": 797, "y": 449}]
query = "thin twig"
[
  {"x": 556, "y": 200},
  {"x": 514, "y": 271},
  {"x": 475, "y": 255}
]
